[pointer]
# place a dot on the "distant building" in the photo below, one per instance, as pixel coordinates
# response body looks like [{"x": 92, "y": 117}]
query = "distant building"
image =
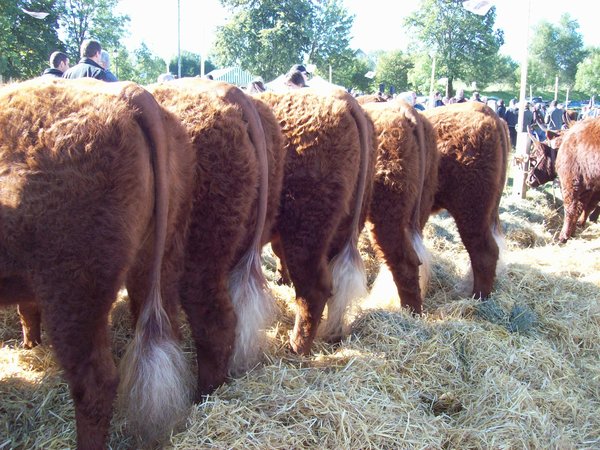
[{"x": 233, "y": 75}]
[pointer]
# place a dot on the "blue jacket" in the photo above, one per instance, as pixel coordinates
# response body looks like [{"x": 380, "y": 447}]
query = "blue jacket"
[{"x": 86, "y": 67}]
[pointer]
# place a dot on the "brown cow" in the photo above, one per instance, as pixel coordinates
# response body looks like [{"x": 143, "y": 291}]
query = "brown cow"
[
  {"x": 239, "y": 177},
  {"x": 399, "y": 208},
  {"x": 88, "y": 193},
  {"x": 329, "y": 161},
  {"x": 473, "y": 143},
  {"x": 577, "y": 165}
]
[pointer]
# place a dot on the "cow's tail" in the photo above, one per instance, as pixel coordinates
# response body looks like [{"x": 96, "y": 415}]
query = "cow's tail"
[
  {"x": 347, "y": 267},
  {"x": 496, "y": 225},
  {"x": 415, "y": 219},
  {"x": 156, "y": 384},
  {"x": 251, "y": 298}
]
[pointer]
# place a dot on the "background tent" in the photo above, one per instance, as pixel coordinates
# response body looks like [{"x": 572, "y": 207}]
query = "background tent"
[{"x": 233, "y": 75}]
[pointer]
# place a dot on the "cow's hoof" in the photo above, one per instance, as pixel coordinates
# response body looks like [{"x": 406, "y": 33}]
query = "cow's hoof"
[{"x": 299, "y": 345}]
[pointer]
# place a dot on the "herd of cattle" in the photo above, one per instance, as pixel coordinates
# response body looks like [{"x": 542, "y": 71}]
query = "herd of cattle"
[{"x": 173, "y": 189}]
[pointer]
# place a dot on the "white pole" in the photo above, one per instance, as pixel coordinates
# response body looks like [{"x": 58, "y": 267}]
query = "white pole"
[
  {"x": 556, "y": 88},
  {"x": 522, "y": 147},
  {"x": 432, "y": 83},
  {"x": 178, "y": 38}
]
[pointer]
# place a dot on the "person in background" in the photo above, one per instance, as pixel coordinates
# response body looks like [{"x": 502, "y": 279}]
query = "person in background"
[
  {"x": 409, "y": 97},
  {"x": 527, "y": 117},
  {"x": 476, "y": 97},
  {"x": 512, "y": 117},
  {"x": 501, "y": 109},
  {"x": 59, "y": 63},
  {"x": 300, "y": 68},
  {"x": 89, "y": 64},
  {"x": 165, "y": 77},
  {"x": 460, "y": 96},
  {"x": 554, "y": 116},
  {"x": 295, "y": 80},
  {"x": 105, "y": 63},
  {"x": 256, "y": 86},
  {"x": 437, "y": 99}
]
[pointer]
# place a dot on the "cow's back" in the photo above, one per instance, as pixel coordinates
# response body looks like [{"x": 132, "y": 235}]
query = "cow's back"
[
  {"x": 473, "y": 156},
  {"x": 579, "y": 154},
  {"x": 85, "y": 200},
  {"x": 473, "y": 145},
  {"x": 72, "y": 162}
]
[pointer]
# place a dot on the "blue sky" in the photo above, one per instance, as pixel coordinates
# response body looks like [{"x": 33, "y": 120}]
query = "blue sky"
[{"x": 377, "y": 25}]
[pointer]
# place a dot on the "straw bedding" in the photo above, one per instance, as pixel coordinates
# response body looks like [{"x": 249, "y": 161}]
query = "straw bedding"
[{"x": 519, "y": 371}]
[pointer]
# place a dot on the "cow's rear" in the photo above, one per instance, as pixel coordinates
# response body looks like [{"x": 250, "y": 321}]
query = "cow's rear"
[
  {"x": 473, "y": 145},
  {"x": 329, "y": 162},
  {"x": 85, "y": 198}
]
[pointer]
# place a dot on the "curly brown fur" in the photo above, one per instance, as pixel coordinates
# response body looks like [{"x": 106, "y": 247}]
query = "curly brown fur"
[
  {"x": 406, "y": 154},
  {"x": 473, "y": 150},
  {"x": 578, "y": 169},
  {"x": 318, "y": 212},
  {"x": 225, "y": 222},
  {"x": 84, "y": 187}
]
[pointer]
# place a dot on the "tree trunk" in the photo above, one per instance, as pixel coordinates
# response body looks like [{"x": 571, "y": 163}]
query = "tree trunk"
[{"x": 449, "y": 88}]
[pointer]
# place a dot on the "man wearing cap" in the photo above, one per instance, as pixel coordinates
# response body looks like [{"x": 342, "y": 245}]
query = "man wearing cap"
[{"x": 299, "y": 68}]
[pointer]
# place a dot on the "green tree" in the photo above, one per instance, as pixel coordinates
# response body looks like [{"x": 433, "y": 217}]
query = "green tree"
[
  {"x": 587, "y": 79},
  {"x": 464, "y": 43},
  {"x": 506, "y": 71},
  {"x": 419, "y": 76},
  {"x": 147, "y": 66},
  {"x": 349, "y": 69},
  {"x": 557, "y": 50},
  {"x": 95, "y": 19},
  {"x": 190, "y": 65},
  {"x": 27, "y": 42},
  {"x": 392, "y": 70},
  {"x": 330, "y": 34},
  {"x": 264, "y": 37},
  {"x": 267, "y": 37}
]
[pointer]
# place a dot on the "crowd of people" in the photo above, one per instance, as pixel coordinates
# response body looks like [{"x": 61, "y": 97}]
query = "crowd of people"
[{"x": 95, "y": 63}]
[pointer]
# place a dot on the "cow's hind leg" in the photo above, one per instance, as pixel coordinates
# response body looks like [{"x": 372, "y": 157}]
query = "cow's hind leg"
[
  {"x": 207, "y": 304},
  {"x": 282, "y": 269},
  {"x": 310, "y": 274},
  {"x": 15, "y": 289},
  {"x": 398, "y": 251},
  {"x": 483, "y": 251},
  {"x": 31, "y": 323},
  {"x": 76, "y": 319}
]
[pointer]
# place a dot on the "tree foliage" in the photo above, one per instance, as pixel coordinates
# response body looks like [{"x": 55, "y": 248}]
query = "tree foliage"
[
  {"x": 392, "y": 70},
  {"x": 349, "y": 69},
  {"x": 27, "y": 42},
  {"x": 465, "y": 44},
  {"x": 91, "y": 19},
  {"x": 267, "y": 37},
  {"x": 556, "y": 50},
  {"x": 587, "y": 79},
  {"x": 190, "y": 65}
]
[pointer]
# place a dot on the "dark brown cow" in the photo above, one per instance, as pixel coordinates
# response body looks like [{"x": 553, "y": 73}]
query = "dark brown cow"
[
  {"x": 473, "y": 144},
  {"x": 239, "y": 177},
  {"x": 575, "y": 158},
  {"x": 407, "y": 158},
  {"x": 89, "y": 193},
  {"x": 329, "y": 147}
]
